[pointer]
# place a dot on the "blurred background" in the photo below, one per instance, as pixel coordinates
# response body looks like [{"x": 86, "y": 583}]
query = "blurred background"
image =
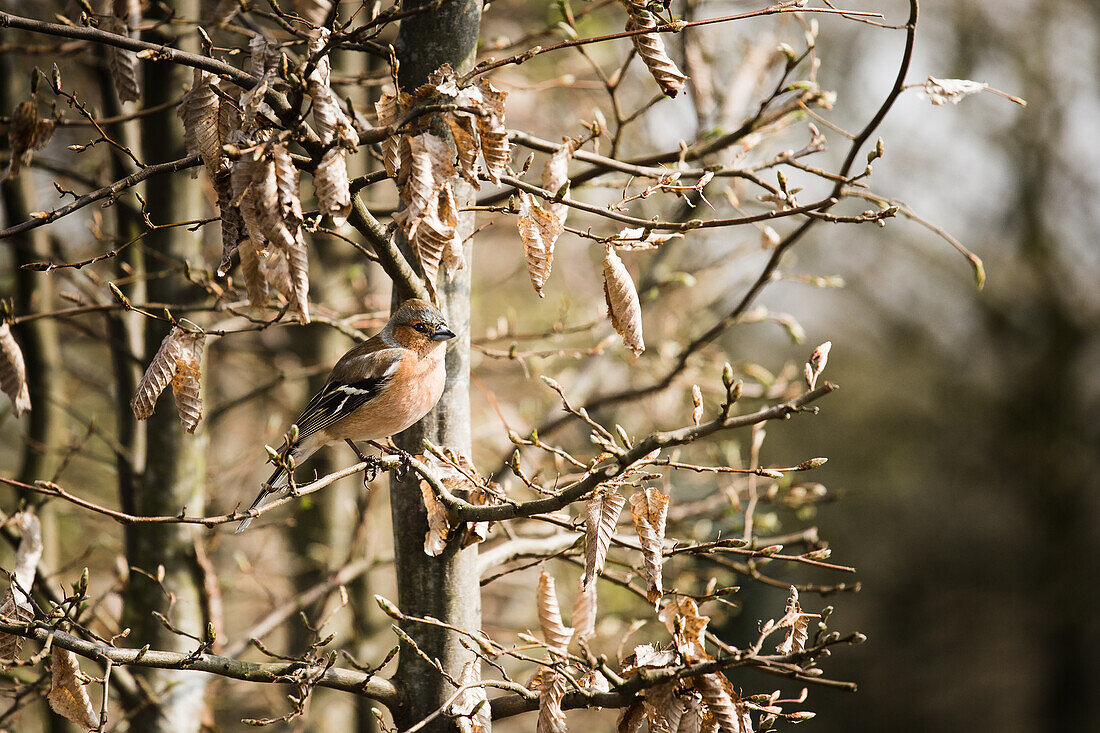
[{"x": 964, "y": 445}]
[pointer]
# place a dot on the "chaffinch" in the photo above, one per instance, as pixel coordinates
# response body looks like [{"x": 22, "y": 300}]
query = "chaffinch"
[{"x": 380, "y": 387}]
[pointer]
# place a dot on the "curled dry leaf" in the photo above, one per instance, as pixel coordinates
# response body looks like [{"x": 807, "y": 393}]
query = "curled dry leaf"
[
  {"x": 797, "y": 625},
  {"x": 122, "y": 63},
  {"x": 631, "y": 718},
  {"x": 601, "y": 517},
  {"x": 663, "y": 707},
  {"x": 495, "y": 148},
  {"x": 470, "y": 708},
  {"x": 724, "y": 703},
  {"x": 177, "y": 361},
  {"x": 555, "y": 174},
  {"x": 254, "y": 279},
  {"x": 652, "y": 49},
  {"x": 539, "y": 229},
  {"x": 387, "y": 110},
  {"x": 67, "y": 695},
  {"x": 639, "y": 239},
  {"x": 551, "y": 692},
  {"x": 17, "y": 606},
  {"x": 688, "y": 628},
  {"x": 330, "y": 180},
  {"x": 439, "y": 526},
  {"x": 941, "y": 91},
  {"x": 467, "y": 145},
  {"x": 13, "y": 372},
  {"x": 622, "y": 302},
  {"x": 649, "y": 508},
  {"x": 556, "y": 634},
  {"x": 584, "y": 610},
  {"x": 28, "y": 132},
  {"x": 233, "y": 229},
  {"x": 200, "y": 110}
]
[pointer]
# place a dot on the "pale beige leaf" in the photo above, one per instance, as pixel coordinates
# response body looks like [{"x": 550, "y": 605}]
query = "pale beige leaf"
[
  {"x": 554, "y": 632},
  {"x": 584, "y": 611},
  {"x": 263, "y": 55},
  {"x": 495, "y": 148},
  {"x": 622, "y": 302},
  {"x": 551, "y": 717},
  {"x": 229, "y": 117},
  {"x": 555, "y": 174},
  {"x": 67, "y": 695},
  {"x": 723, "y": 703},
  {"x": 17, "y": 606},
  {"x": 276, "y": 271},
  {"x": 594, "y": 679},
  {"x": 539, "y": 229},
  {"x": 187, "y": 379},
  {"x": 429, "y": 168},
  {"x": 645, "y": 655},
  {"x": 200, "y": 110},
  {"x": 243, "y": 173},
  {"x": 470, "y": 708},
  {"x": 252, "y": 104},
  {"x": 157, "y": 376},
  {"x": 121, "y": 63},
  {"x": 649, "y": 509},
  {"x": 387, "y": 110},
  {"x": 651, "y": 48},
  {"x": 601, "y": 517},
  {"x": 453, "y": 255},
  {"x": 330, "y": 181},
  {"x": 439, "y": 526},
  {"x": 939, "y": 91},
  {"x": 13, "y": 372}
]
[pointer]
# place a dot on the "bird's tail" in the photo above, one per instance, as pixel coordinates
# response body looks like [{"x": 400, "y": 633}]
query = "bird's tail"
[{"x": 274, "y": 488}]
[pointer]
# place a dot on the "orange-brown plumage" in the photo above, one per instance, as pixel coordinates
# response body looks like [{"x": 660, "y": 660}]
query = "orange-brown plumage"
[{"x": 378, "y": 388}]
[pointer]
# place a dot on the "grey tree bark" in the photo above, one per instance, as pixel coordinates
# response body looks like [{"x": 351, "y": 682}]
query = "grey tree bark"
[
  {"x": 174, "y": 472},
  {"x": 445, "y": 587}
]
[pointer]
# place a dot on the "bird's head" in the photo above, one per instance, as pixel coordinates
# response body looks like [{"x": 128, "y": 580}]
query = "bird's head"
[{"x": 419, "y": 325}]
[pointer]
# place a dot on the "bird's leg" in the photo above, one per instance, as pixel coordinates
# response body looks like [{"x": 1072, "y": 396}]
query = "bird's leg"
[
  {"x": 371, "y": 472},
  {"x": 404, "y": 466}
]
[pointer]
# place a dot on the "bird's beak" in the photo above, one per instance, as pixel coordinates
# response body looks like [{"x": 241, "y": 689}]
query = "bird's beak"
[{"x": 442, "y": 333}]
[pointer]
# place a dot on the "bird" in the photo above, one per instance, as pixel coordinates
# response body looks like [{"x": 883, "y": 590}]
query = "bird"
[{"x": 380, "y": 387}]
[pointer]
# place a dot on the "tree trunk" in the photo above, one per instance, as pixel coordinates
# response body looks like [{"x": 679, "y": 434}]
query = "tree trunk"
[
  {"x": 174, "y": 473},
  {"x": 445, "y": 587}
]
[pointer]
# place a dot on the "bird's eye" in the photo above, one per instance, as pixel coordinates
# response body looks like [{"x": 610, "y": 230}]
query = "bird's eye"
[{"x": 421, "y": 327}]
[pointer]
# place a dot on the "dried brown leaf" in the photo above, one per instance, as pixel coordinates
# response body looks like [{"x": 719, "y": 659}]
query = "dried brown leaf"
[
  {"x": 387, "y": 109},
  {"x": 187, "y": 380},
  {"x": 333, "y": 126},
  {"x": 556, "y": 634},
  {"x": 632, "y": 717},
  {"x": 688, "y": 628},
  {"x": 467, "y": 145},
  {"x": 652, "y": 49},
  {"x": 200, "y": 110},
  {"x": 428, "y": 168},
  {"x": 622, "y": 302},
  {"x": 551, "y": 716},
  {"x": 255, "y": 280},
  {"x": 17, "y": 606},
  {"x": 555, "y": 174},
  {"x": 330, "y": 181},
  {"x": 584, "y": 611},
  {"x": 601, "y": 517},
  {"x": 232, "y": 225},
  {"x": 539, "y": 229},
  {"x": 649, "y": 508},
  {"x": 28, "y": 132},
  {"x": 439, "y": 526},
  {"x": 13, "y": 372},
  {"x": 664, "y": 708},
  {"x": 67, "y": 695},
  {"x": 122, "y": 63},
  {"x": 495, "y": 148},
  {"x": 797, "y": 625},
  {"x": 179, "y": 350},
  {"x": 470, "y": 708},
  {"x": 723, "y": 703}
]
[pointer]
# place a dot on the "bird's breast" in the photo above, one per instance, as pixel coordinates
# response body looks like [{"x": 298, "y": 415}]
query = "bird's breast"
[{"x": 406, "y": 398}]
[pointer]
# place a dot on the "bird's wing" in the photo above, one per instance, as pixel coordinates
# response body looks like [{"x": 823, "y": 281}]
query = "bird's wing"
[{"x": 356, "y": 379}]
